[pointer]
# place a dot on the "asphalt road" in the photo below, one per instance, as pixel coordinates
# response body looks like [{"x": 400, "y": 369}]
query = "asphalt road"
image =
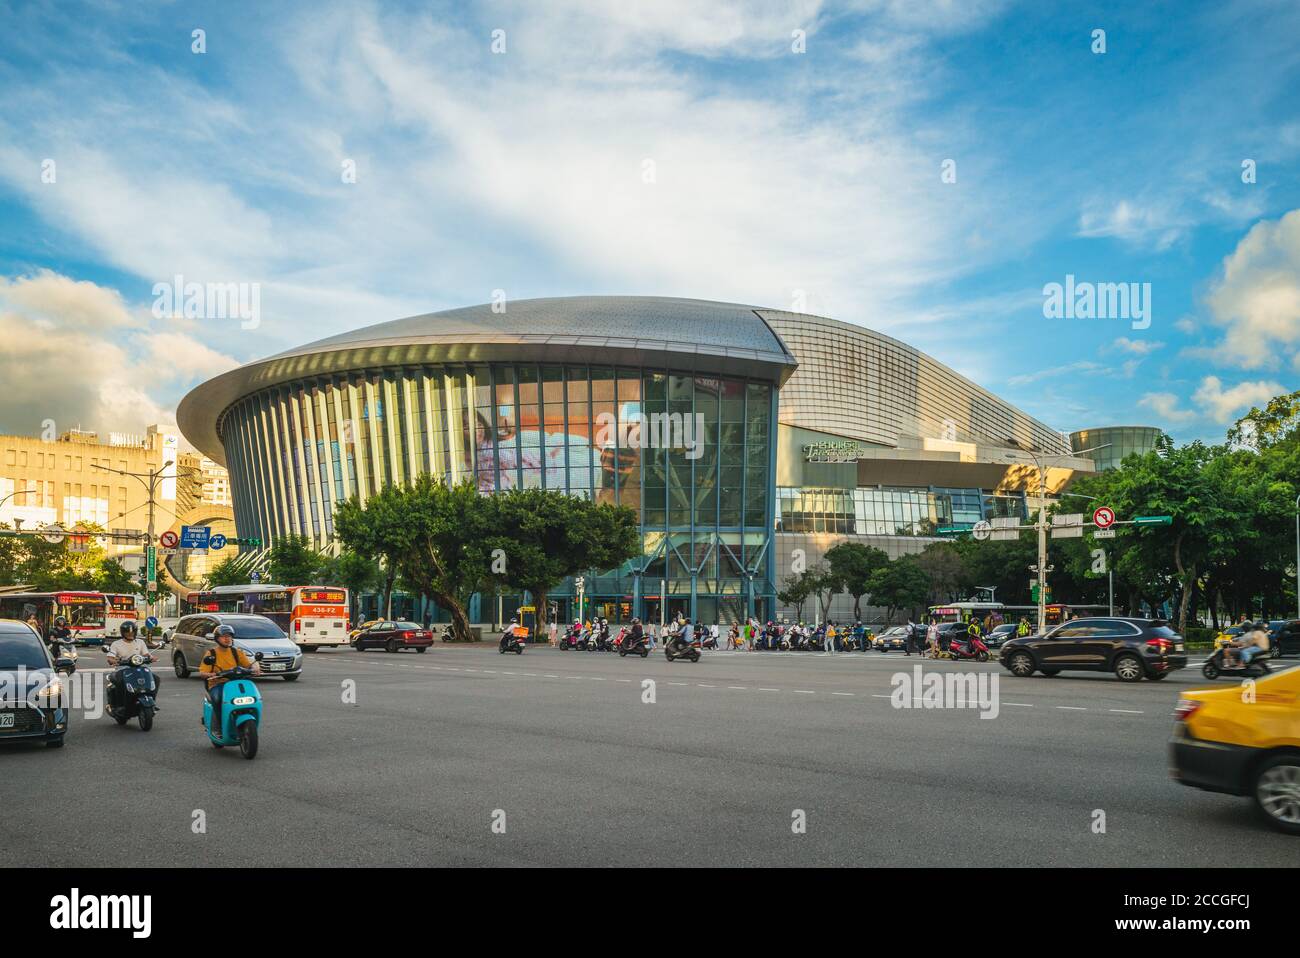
[{"x": 586, "y": 773}]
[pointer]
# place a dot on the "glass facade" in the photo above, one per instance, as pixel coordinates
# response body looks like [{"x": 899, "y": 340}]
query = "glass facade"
[
  {"x": 691, "y": 454},
  {"x": 1112, "y": 444},
  {"x": 889, "y": 511}
]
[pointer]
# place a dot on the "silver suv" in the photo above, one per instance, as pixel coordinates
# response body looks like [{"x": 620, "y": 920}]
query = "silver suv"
[{"x": 193, "y": 636}]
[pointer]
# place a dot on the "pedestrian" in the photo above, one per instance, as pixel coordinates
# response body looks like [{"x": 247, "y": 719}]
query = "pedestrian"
[
  {"x": 932, "y": 636},
  {"x": 650, "y": 636},
  {"x": 911, "y": 637},
  {"x": 830, "y": 639}
]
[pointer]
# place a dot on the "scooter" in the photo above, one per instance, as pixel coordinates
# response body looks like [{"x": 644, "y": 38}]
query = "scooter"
[
  {"x": 630, "y": 646},
  {"x": 511, "y": 642},
  {"x": 1214, "y": 667},
  {"x": 135, "y": 685},
  {"x": 709, "y": 642},
  {"x": 973, "y": 648},
  {"x": 672, "y": 652},
  {"x": 241, "y": 712}
]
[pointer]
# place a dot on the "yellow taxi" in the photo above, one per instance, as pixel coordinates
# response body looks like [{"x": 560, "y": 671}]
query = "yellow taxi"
[
  {"x": 1244, "y": 740},
  {"x": 1230, "y": 634},
  {"x": 352, "y": 636}
]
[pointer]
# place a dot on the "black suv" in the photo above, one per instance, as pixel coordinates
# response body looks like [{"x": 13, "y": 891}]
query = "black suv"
[
  {"x": 1283, "y": 637},
  {"x": 1131, "y": 648}
]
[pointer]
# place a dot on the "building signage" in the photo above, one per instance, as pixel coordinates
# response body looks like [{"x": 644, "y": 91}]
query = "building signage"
[{"x": 834, "y": 451}]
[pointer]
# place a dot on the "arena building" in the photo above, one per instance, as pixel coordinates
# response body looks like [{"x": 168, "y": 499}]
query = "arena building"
[{"x": 738, "y": 434}]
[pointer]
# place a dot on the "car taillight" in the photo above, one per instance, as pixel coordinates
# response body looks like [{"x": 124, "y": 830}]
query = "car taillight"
[
  {"x": 1186, "y": 708},
  {"x": 1160, "y": 646},
  {"x": 407, "y": 634}
]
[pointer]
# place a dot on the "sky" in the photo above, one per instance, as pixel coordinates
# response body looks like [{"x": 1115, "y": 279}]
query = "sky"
[{"x": 927, "y": 168}]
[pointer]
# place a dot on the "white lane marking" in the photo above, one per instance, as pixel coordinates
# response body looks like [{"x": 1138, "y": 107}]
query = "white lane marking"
[
  {"x": 622, "y": 680},
  {"x": 1071, "y": 708},
  {"x": 596, "y": 678},
  {"x": 843, "y": 693},
  {"x": 1020, "y": 705},
  {"x": 703, "y": 686},
  {"x": 806, "y": 691},
  {"x": 679, "y": 683},
  {"x": 548, "y": 675},
  {"x": 738, "y": 688},
  {"x": 1127, "y": 711},
  {"x": 769, "y": 690}
]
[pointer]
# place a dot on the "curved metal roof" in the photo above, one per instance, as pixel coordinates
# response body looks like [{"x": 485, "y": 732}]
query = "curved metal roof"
[{"x": 682, "y": 334}]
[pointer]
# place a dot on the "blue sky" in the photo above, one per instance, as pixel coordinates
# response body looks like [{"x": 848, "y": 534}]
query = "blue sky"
[{"x": 673, "y": 148}]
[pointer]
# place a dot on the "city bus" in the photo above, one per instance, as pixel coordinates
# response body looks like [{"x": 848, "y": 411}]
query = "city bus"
[
  {"x": 965, "y": 611},
  {"x": 88, "y": 613},
  {"x": 119, "y": 608},
  {"x": 313, "y": 616}
]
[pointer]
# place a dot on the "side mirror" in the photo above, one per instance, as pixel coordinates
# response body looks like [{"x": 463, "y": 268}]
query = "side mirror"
[{"x": 65, "y": 665}]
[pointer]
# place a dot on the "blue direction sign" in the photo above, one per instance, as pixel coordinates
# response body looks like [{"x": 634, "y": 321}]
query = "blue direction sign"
[
  {"x": 195, "y": 537},
  {"x": 217, "y": 541},
  {"x": 151, "y": 622},
  {"x": 254, "y": 577}
]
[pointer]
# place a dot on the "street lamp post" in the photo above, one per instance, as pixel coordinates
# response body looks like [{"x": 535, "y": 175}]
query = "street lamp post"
[
  {"x": 16, "y": 492},
  {"x": 1297, "y": 556}
]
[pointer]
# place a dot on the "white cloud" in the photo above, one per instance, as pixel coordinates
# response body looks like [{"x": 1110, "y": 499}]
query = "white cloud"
[
  {"x": 75, "y": 353},
  {"x": 1257, "y": 298},
  {"x": 1133, "y": 222},
  {"x": 1165, "y": 405},
  {"x": 1138, "y": 347},
  {"x": 1224, "y": 405}
]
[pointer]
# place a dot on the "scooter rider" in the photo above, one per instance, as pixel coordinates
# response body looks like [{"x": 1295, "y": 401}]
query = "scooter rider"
[
  {"x": 225, "y": 656},
  {"x": 1252, "y": 643},
  {"x": 126, "y": 645},
  {"x": 60, "y": 635},
  {"x": 509, "y": 633},
  {"x": 685, "y": 635}
]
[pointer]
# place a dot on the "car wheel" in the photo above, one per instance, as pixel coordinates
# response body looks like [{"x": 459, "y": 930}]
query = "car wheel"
[
  {"x": 392, "y": 645},
  {"x": 178, "y": 663},
  {"x": 54, "y": 742},
  {"x": 1277, "y": 792},
  {"x": 292, "y": 678},
  {"x": 1021, "y": 665},
  {"x": 1128, "y": 668}
]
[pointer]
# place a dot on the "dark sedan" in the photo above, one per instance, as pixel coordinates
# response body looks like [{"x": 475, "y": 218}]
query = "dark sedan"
[
  {"x": 1131, "y": 648},
  {"x": 393, "y": 637},
  {"x": 1283, "y": 637},
  {"x": 32, "y": 695}
]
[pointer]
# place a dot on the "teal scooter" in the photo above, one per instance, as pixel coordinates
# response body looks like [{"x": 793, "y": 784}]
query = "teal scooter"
[{"x": 241, "y": 711}]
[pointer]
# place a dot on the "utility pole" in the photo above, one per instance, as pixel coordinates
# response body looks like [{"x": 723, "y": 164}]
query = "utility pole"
[
  {"x": 154, "y": 477},
  {"x": 1297, "y": 556}
]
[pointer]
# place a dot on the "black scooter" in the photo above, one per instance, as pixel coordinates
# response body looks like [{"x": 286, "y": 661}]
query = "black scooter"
[
  {"x": 1214, "y": 667},
  {"x": 134, "y": 690},
  {"x": 630, "y": 646},
  {"x": 510, "y": 642}
]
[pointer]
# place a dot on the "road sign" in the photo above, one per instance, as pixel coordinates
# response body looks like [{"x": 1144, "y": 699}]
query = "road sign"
[
  {"x": 1104, "y": 534},
  {"x": 162, "y": 551},
  {"x": 151, "y": 622},
  {"x": 151, "y": 570},
  {"x": 169, "y": 540},
  {"x": 218, "y": 541},
  {"x": 982, "y": 530},
  {"x": 1067, "y": 525},
  {"x": 1104, "y": 517},
  {"x": 195, "y": 537},
  {"x": 1153, "y": 520},
  {"x": 53, "y": 534},
  {"x": 254, "y": 577},
  {"x": 1005, "y": 528}
]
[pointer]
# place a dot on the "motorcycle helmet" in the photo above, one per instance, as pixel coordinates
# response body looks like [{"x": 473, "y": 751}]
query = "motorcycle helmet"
[
  {"x": 60, "y": 620},
  {"x": 224, "y": 630},
  {"x": 127, "y": 630}
]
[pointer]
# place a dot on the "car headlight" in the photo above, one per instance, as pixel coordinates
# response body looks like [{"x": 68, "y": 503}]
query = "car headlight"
[{"x": 51, "y": 691}]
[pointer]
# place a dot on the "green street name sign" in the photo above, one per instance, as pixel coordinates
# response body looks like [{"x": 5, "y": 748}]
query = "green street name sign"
[{"x": 1152, "y": 520}]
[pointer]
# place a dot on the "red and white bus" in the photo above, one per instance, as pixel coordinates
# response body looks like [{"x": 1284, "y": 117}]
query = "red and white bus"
[
  {"x": 311, "y": 615},
  {"x": 92, "y": 616}
]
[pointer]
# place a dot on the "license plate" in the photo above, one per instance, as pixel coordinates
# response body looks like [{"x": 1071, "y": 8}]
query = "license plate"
[
  {"x": 1178, "y": 646},
  {"x": 275, "y": 666},
  {"x": 7, "y": 719}
]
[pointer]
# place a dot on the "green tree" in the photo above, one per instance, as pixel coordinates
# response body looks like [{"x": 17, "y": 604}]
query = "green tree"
[
  {"x": 292, "y": 561},
  {"x": 796, "y": 591},
  {"x": 853, "y": 564},
  {"x": 541, "y": 537},
  {"x": 439, "y": 546},
  {"x": 227, "y": 572},
  {"x": 945, "y": 570},
  {"x": 355, "y": 572},
  {"x": 902, "y": 584}
]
